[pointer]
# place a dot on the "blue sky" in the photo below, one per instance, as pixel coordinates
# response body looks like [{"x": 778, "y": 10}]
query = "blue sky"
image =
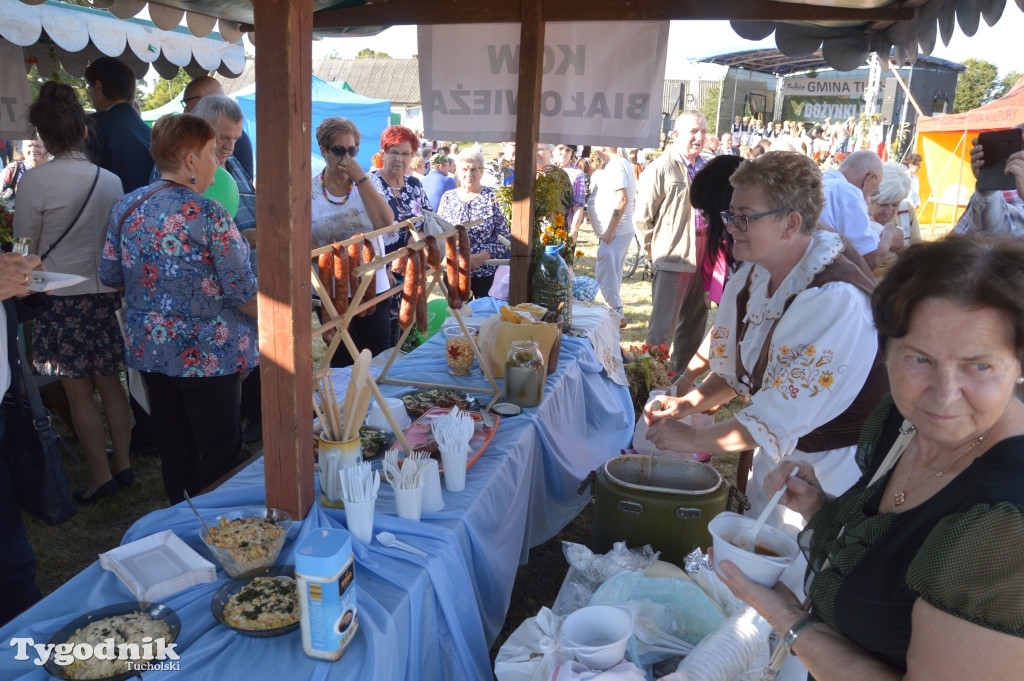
[{"x": 690, "y": 40}]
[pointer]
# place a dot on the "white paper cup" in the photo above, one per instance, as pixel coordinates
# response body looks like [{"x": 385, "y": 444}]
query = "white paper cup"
[
  {"x": 377, "y": 419},
  {"x": 359, "y": 519},
  {"x": 454, "y": 469},
  {"x": 433, "y": 501},
  {"x": 409, "y": 502},
  {"x": 762, "y": 569}
]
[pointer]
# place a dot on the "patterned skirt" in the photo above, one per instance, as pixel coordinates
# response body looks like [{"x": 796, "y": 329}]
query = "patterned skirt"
[{"x": 79, "y": 337}]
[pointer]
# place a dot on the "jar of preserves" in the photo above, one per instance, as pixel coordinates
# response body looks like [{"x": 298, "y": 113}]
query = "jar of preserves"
[{"x": 524, "y": 373}]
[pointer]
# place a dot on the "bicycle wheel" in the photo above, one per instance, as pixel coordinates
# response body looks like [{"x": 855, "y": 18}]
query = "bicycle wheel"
[{"x": 632, "y": 259}]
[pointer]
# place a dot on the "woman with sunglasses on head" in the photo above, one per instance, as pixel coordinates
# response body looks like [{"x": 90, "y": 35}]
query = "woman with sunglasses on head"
[
  {"x": 793, "y": 336},
  {"x": 345, "y": 203}
]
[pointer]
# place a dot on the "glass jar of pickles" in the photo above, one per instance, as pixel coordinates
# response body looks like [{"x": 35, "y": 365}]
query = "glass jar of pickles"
[{"x": 524, "y": 373}]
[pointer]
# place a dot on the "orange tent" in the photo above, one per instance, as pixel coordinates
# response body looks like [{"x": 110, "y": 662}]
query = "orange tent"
[{"x": 944, "y": 143}]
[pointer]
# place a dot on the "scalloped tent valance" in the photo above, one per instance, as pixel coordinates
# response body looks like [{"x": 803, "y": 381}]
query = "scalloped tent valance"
[
  {"x": 77, "y": 35},
  {"x": 844, "y": 44},
  {"x": 847, "y": 46}
]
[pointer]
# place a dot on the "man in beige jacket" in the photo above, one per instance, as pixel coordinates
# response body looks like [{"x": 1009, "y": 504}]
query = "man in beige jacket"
[{"x": 668, "y": 230}]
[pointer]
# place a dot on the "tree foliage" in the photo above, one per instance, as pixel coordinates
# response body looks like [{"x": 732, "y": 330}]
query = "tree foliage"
[
  {"x": 976, "y": 86},
  {"x": 367, "y": 53},
  {"x": 1005, "y": 83},
  {"x": 165, "y": 90},
  {"x": 709, "y": 106}
]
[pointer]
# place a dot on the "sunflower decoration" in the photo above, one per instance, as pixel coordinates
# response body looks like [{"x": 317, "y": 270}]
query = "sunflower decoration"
[{"x": 552, "y": 201}]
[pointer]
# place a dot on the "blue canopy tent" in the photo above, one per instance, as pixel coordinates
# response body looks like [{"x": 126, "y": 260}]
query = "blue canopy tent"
[{"x": 371, "y": 116}]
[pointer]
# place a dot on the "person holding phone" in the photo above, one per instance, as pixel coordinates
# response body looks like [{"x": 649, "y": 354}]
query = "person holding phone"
[{"x": 995, "y": 212}]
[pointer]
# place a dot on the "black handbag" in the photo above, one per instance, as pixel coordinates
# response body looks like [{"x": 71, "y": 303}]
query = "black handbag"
[{"x": 33, "y": 450}]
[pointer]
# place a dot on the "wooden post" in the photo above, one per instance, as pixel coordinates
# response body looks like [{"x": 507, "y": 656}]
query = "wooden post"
[
  {"x": 531, "y": 61},
  {"x": 284, "y": 29}
]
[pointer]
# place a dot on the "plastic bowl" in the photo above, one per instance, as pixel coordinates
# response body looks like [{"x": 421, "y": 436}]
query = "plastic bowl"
[
  {"x": 763, "y": 569},
  {"x": 237, "y": 560},
  {"x": 597, "y": 635}
]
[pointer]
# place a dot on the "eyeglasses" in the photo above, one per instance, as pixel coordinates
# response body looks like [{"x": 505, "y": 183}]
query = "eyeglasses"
[
  {"x": 470, "y": 169},
  {"x": 742, "y": 222},
  {"x": 186, "y": 100},
  {"x": 340, "y": 151},
  {"x": 399, "y": 154}
]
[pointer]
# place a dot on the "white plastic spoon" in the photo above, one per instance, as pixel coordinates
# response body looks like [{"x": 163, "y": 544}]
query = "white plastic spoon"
[
  {"x": 748, "y": 540},
  {"x": 388, "y": 539}
]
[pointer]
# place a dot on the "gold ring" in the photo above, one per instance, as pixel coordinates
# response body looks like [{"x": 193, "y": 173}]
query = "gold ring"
[{"x": 27, "y": 280}]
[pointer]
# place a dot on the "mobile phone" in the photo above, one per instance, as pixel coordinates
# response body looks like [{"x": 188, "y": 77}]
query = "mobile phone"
[{"x": 997, "y": 146}]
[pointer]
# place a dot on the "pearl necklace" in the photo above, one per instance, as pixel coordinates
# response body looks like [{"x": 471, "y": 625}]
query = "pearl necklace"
[
  {"x": 323, "y": 188},
  {"x": 900, "y": 497}
]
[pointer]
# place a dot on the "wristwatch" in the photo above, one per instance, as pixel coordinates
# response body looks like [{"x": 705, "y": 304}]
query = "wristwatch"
[{"x": 797, "y": 629}]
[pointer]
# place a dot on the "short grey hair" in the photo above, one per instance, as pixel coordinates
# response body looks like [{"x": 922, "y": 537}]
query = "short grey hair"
[
  {"x": 895, "y": 185},
  {"x": 212, "y": 107},
  {"x": 471, "y": 155}
]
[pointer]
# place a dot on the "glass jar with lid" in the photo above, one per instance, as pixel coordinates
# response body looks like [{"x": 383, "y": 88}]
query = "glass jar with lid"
[{"x": 524, "y": 373}]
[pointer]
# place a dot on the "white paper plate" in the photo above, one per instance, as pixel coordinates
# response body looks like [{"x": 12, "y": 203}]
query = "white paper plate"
[
  {"x": 158, "y": 565},
  {"x": 50, "y": 281}
]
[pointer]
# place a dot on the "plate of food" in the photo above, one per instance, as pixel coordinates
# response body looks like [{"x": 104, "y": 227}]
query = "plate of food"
[
  {"x": 124, "y": 623},
  {"x": 419, "y": 402},
  {"x": 375, "y": 441},
  {"x": 421, "y": 438},
  {"x": 260, "y": 603}
]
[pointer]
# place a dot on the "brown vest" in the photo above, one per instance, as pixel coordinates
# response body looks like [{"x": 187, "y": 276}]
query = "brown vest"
[{"x": 843, "y": 430}]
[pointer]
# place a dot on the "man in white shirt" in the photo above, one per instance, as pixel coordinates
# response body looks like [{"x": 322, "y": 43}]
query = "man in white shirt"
[
  {"x": 847, "y": 190},
  {"x": 616, "y": 188}
]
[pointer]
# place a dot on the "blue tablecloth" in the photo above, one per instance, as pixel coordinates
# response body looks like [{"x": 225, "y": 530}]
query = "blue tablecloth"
[{"x": 416, "y": 621}]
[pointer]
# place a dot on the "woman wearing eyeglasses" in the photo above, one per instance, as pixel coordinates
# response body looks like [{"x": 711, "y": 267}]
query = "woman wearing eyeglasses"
[
  {"x": 403, "y": 192},
  {"x": 471, "y": 200},
  {"x": 346, "y": 204},
  {"x": 793, "y": 336}
]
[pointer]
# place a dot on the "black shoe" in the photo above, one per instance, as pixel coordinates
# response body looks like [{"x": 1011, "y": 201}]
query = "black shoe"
[
  {"x": 107, "y": 489},
  {"x": 253, "y": 432},
  {"x": 125, "y": 478}
]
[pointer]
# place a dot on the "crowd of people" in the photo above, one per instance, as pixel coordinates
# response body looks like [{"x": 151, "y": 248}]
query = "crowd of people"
[{"x": 885, "y": 370}]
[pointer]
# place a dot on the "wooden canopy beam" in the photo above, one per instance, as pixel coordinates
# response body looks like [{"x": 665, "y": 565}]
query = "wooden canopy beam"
[
  {"x": 531, "y": 61},
  {"x": 424, "y": 13},
  {"x": 283, "y": 111}
]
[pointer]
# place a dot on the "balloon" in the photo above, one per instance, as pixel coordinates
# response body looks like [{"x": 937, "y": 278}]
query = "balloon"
[
  {"x": 437, "y": 312},
  {"x": 224, "y": 191}
]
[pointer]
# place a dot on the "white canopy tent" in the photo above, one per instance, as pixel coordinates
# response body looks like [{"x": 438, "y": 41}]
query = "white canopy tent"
[{"x": 52, "y": 34}]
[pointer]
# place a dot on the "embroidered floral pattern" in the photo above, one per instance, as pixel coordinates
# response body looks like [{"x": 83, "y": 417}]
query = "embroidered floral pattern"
[
  {"x": 801, "y": 368},
  {"x": 719, "y": 338}
]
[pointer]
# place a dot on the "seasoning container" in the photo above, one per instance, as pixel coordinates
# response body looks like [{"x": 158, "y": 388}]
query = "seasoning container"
[
  {"x": 327, "y": 595},
  {"x": 524, "y": 373}
]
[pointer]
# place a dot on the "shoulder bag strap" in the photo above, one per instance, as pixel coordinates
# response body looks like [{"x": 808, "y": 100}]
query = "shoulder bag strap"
[
  {"x": 131, "y": 208},
  {"x": 40, "y": 417},
  {"x": 77, "y": 215}
]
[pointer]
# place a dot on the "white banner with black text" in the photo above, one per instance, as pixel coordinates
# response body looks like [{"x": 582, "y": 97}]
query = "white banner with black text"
[{"x": 602, "y": 82}]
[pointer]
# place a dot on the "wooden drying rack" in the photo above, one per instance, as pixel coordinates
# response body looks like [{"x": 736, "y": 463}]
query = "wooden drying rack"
[{"x": 367, "y": 274}]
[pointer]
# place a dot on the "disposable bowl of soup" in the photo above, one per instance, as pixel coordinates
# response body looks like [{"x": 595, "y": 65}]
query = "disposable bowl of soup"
[
  {"x": 774, "y": 549},
  {"x": 247, "y": 538},
  {"x": 597, "y": 635}
]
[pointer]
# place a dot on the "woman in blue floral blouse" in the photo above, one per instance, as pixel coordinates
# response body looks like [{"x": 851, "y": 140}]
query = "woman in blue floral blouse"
[
  {"x": 473, "y": 201},
  {"x": 402, "y": 190},
  {"x": 191, "y": 305}
]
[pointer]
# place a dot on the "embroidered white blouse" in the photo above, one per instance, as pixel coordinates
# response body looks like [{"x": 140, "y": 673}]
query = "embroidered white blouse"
[{"x": 821, "y": 352}]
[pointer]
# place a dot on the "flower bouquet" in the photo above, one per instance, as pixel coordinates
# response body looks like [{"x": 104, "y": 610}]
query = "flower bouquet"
[{"x": 646, "y": 368}]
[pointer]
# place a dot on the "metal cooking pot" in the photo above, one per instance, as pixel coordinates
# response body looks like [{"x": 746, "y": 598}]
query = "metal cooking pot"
[{"x": 666, "y": 502}]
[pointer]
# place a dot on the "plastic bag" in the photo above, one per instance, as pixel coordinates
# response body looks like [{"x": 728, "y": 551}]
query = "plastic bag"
[
  {"x": 679, "y": 607},
  {"x": 532, "y": 652},
  {"x": 574, "y": 671},
  {"x": 738, "y": 649},
  {"x": 588, "y": 571}
]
